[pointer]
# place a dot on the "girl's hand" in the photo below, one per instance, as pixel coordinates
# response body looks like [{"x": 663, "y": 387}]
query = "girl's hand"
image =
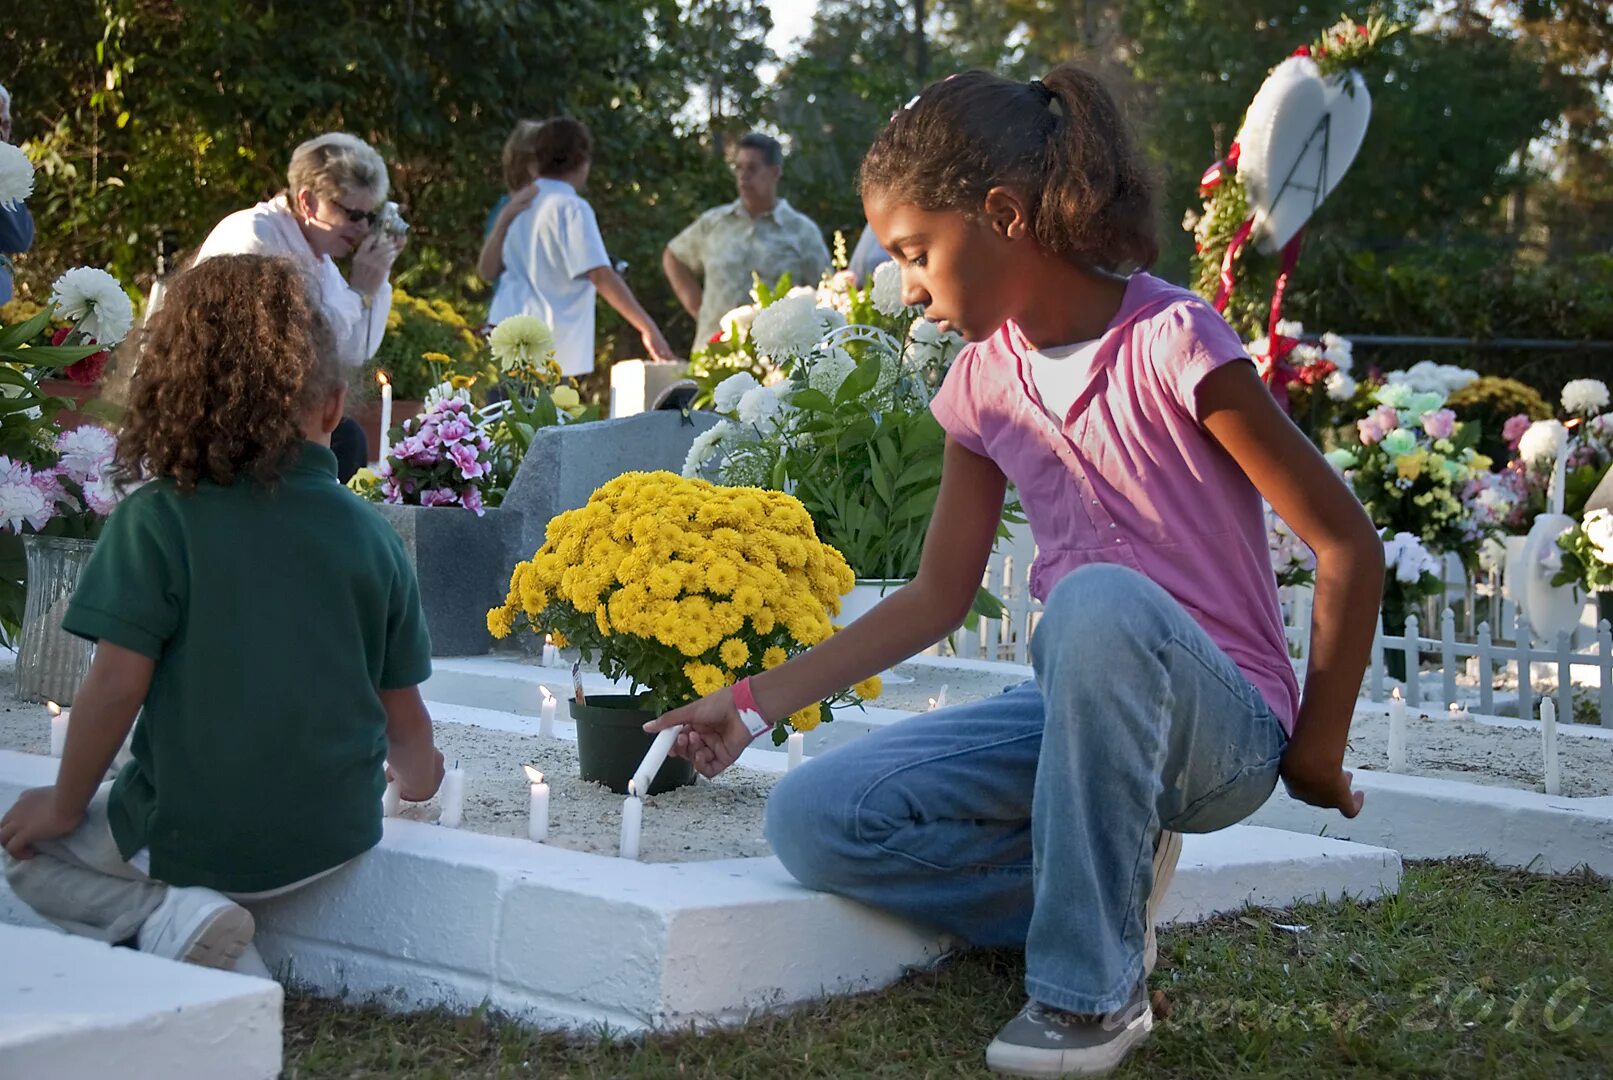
[
  {"x": 713, "y": 735},
  {"x": 34, "y": 817},
  {"x": 1319, "y": 779}
]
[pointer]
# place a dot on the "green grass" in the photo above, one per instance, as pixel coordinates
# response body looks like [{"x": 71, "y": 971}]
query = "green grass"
[{"x": 1470, "y": 972}]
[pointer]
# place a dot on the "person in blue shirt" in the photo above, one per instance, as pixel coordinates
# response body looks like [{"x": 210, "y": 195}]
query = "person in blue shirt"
[{"x": 16, "y": 224}]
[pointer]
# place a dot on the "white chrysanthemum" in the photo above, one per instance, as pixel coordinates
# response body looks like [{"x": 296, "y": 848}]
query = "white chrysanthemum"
[
  {"x": 705, "y": 444},
  {"x": 788, "y": 327},
  {"x": 1340, "y": 386},
  {"x": 16, "y": 175},
  {"x": 829, "y": 371},
  {"x": 730, "y": 390},
  {"x": 1338, "y": 351},
  {"x": 1290, "y": 328},
  {"x": 736, "y": 323},
  {"x": 760, "y": 406},
  {"x": 21, "y": 503},
  {"x": 85, "y": 452},
  {"x": 887, "y": 292},
  {"x": 520, "y": 339},
  {"x": 1539, "y": 444},
  {"x": 1585, "y": 397},
  {"x": 95, "y": 303}
]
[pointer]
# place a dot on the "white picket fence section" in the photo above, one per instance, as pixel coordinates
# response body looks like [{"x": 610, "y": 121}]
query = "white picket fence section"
[{"x": 1496, "y": 643}]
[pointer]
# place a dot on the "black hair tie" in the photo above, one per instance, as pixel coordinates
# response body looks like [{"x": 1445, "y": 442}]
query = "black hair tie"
[{"x": 1054, "y": 105}]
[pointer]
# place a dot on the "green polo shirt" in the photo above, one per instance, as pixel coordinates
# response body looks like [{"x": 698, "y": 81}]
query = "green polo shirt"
[{"x": 275, "y": 617}]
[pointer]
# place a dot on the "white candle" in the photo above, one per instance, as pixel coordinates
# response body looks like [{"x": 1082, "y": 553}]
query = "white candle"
[
  {"x": 453, "y": 797},
  {"x": 644, "y": 775},
  {"x": 386, "y": 414},
  {"x": 632, "y": 820},
  {"x": 59, "y": 718},
  {"x": 1559, "y": 472},
  {"x": 537, "y": 822},
  {"x": 1548, "y": 738},
  {"x": 796, "y": 745},
  {"x": 940, "y": 701},
  {"x": 1397, "y": 733},
  {"x": 392, "y": 798},
  {"x": 546, "y": 714},
  {"x": 551, "y": 655}
]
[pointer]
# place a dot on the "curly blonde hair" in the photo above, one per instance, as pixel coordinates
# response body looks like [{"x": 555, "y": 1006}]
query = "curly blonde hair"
[{"x": 227, "y": 368}]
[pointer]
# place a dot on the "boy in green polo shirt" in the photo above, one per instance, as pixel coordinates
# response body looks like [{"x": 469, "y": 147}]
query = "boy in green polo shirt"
[{"x": 265, "y": 620}]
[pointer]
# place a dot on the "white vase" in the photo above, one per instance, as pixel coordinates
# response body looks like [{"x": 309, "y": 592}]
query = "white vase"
[
  {"x": 1511, "y": 562},
  {"x": 862, "y": 599}
]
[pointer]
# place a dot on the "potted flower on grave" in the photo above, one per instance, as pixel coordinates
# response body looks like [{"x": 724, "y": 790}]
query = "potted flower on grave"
[
  {"x": 681, "y": 587},
  {"x": 847, "y": 427}
]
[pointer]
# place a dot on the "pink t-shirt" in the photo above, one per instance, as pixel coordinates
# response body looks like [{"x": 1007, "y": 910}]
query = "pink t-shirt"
[{"x": 1130, "y": 476}]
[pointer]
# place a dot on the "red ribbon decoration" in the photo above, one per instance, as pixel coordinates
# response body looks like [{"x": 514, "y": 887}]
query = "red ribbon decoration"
[
  {"x": 1216, "y": 173},
  {"x": 1290, "y": 257},
  {"x": 1224, "y": 294}
]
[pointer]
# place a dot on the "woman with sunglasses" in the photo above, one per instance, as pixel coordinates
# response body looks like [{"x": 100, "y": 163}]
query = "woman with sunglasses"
[{"x": 336, "y": 186}]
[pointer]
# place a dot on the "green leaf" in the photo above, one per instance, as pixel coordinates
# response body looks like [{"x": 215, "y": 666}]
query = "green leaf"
[
  {"x": 859, "y": 382},
  {"x": 917, "y": 506},
  {"x": 24, "y": 332},
  {"x": 811, "y": 400}
]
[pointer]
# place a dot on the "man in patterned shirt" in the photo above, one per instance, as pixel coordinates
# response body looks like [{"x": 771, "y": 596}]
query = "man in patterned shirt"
[{"x": 756, "y": 233}]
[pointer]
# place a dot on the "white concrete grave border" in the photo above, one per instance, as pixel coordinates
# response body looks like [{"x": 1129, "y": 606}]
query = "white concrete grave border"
[{"x": 438, "y": 917}]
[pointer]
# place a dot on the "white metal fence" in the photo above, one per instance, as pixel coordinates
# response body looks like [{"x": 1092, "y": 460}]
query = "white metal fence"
[{"x": 1479, "y": 635}]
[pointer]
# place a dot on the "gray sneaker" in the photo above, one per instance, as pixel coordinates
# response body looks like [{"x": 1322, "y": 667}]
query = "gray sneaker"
[{"x": 1046, "y": 1042}]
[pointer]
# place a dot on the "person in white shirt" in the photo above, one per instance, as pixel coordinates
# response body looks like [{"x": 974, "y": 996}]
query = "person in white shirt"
[
  {"x": 336, "y": 186},
  {"x": 554, "y": 257}
]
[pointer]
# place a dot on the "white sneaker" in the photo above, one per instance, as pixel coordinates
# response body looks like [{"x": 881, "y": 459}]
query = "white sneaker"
[
  {"x": 250, "y": 962},
  {"x": 1166, "y": 853},
  {"x": 197, "y": 926}
]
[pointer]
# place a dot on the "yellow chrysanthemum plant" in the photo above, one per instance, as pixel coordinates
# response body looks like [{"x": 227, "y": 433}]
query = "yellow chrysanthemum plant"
[{"x": 684, "y": 587}]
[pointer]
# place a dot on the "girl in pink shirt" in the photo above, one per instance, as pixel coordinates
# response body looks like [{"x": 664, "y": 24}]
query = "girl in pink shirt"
[{"x": 1140, "y": 441}]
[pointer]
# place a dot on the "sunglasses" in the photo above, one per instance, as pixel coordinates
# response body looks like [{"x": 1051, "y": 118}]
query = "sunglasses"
[{"x": 369, "y": 217}]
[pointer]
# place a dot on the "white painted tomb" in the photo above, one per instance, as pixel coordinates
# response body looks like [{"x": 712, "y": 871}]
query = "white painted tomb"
[{"x": 72, "y": 1008}]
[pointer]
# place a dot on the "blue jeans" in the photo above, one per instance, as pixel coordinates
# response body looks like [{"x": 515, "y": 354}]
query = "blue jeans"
[{"x": 1030, "y": 819}]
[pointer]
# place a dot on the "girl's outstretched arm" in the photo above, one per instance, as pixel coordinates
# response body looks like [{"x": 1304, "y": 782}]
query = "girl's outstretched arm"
[
  {"x": 1239, "y": 412},
  {"x": 956, "y": 547}
]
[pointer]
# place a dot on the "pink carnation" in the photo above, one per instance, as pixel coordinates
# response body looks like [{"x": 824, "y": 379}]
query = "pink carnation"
[
  {"x": 1378, "y": 423},
  {"x": 438, "y": 497},
  {"x": 464, "y": 457},
  {"x": 1440, "y": 424},
  {"x": 455, "y": 430},
  {"x": 1512, "y": 431}
]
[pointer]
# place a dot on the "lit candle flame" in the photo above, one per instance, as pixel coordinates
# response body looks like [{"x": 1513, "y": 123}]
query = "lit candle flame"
[
  {"x": 55, "y": 709},
  {"x": 632, "y": 789},
  {"x": 1397, "y": 693},
  {"x": 547, "y": 697},
  {"x": 548, "y": 639},
  {"x": 380, "y": 377},
  {"x": 532, "y": 774}
]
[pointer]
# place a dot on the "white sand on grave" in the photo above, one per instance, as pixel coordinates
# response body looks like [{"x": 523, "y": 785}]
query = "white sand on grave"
[{"x": 723, "y": 818}]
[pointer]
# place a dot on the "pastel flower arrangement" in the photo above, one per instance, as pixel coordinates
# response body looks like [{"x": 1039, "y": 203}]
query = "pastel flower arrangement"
[
  {"x": 1291, "y": 560},
  {"x": 1587, "y": 553},
  {"x": 72, "y": 487},
  {"x": 445, "y": 458},
  {"x": 683, "y": 587},
  {"x": 1412, "y": 573},
  {"x": 1411, "y": 462}
]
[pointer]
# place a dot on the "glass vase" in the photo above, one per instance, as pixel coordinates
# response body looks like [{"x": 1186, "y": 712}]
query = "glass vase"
[{"x": 51, "y": 662}]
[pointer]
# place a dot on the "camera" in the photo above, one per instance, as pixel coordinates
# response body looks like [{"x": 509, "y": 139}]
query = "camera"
[{"x": 390, "y": 222}]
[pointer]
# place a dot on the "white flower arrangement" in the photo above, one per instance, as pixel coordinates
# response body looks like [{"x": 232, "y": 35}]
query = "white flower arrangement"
[
  {"x": 1338, "y": 351},
  {"x": 736, "y": 323},
  {"x": 704, "y": 447},
  {"x": 1598, "y": 527},
  {"x": 16, "y": 175},
  {"x": 519, "y": 341},
  {"x": 1425, "y": 376},
  {"x": 761, "y": 406},
  {"x": 95, "y": 303},
  {"x": 1340, "y": 386},
  {"x": 1405, "y": 556},
  {"x": 1585, "y": 397},
  {"x": 1539, "y": 445}
]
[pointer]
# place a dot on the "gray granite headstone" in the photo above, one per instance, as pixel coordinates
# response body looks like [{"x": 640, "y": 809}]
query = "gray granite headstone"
[
  {"x": 463, "y": 565},
  {"x": 567, "y": 464}
]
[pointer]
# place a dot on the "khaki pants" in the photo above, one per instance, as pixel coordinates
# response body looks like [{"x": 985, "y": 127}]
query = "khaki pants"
[{"x": 82, "y": 884}]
